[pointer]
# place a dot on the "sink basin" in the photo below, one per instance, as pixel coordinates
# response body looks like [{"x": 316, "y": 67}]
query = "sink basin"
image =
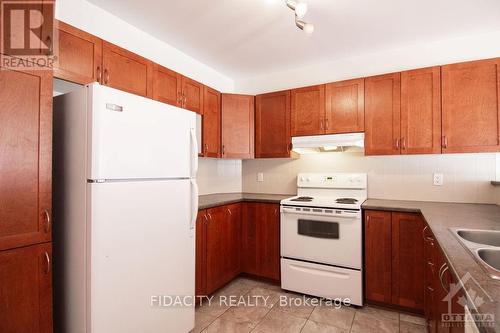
[
  {"x": 484, "y": 237},
  {"x": 490, "y": 257}
]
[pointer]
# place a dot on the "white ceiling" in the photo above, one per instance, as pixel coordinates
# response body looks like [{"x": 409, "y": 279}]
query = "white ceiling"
[{"x": 246, "y": 38}]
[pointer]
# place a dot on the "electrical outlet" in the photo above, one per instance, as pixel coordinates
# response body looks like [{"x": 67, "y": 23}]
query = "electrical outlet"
[
  {"x": 438, "y": 179},
  {"x": 260, "y": 176}
]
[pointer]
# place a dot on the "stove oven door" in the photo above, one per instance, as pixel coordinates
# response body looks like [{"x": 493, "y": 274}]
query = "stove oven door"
[{"x": 319, "y": 238}]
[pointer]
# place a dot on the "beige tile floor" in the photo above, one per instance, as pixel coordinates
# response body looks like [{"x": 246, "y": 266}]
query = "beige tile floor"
[{"x": 271, "y": 317}]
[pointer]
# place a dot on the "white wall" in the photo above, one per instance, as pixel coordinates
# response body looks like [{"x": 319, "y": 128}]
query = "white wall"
[
  {"x": 219, "y": 176},
  {"x": 466, "y": 176},
  {"x": 410, "y": 57},
  {"x": 105, "y": 25}
]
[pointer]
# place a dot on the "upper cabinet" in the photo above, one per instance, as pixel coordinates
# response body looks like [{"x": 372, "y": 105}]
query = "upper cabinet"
[
  {"x": 211, "y": 123},
  {"x": 471, "y": 106},
  {"x": 237, "y": 126},
  {"x": 421, "y": 111},
  {"x": 26, "y": 157},
  {"x": 382, "y": 114},
  {"x": 166, "y": 86},
  {"x": 126, "y": 71},
  {"x": 345, "y": 107},
  {"x": 308, "y": 111},
  {"x": 80, "y": 55},
  {"x": 192, "y": 95},
  {"x": 272, "y": 125}
]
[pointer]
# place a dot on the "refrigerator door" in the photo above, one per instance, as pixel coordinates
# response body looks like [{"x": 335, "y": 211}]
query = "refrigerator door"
[
  {"x": 132, "y": 137},
  {"x": 140, "y": 250}
]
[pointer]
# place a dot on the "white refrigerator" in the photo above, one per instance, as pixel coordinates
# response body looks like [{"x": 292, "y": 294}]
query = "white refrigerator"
[{"x": 125, "y": 206}]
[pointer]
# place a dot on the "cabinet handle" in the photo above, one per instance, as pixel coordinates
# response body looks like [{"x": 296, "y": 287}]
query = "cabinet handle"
[
  {"x": 99, "y": 74},
  {"x": 106, "y": 76},
  {"x": 223, "y": 150},
  {"x": 403, "y": 143},
  {"x": 47, "y": 262},
  {"x": 427, "y": 239},
  {"x": 397, "y": 144},
  {"x": 430, "y": 288},
  {"x": 276, "y": 211},
  {"x": 185, "y": 101},
  {"x": 209, "y": 216},
  {"x": 444, "y": 268},
  {"x": 50, "y": 44},
  {"x": 48, "y": 220},
  {"x": 367, "y": 218},
  {"x": 430, "y": 263},
  {"x": 206, "y": 218},
  {"x": 321, "y": 124},
  {"x": 229, "y": 211},
  {"x": 327, "y": 124},
  {"x": 445, "y": 142}
]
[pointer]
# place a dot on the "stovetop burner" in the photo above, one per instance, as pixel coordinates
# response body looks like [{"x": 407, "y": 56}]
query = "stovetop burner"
[
  {"x": 303, "y": 199},
  {"x": 348, "y": 201}
]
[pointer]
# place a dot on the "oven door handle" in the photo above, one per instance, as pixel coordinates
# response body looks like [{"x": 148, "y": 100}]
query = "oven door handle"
[{"x": 353, "y": 215}]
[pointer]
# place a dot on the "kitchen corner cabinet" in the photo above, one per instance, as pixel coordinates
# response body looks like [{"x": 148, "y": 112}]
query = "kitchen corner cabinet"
[
  {"x": 126, "y": 71},
  {"x": 260, "y": 249},
  {"x": 211, "y": 123},
  {"x": 80, "y": 55},
  {"x": 237, "y": 126},
  {"x": 394, "y": 259},
  {"x": 26, "y": 289},
  {"x": 471, "y": 106},
  {"x": 345, "y": 107},
  {"x": 272, "y": 125},
  {"x": 308, "y": 111},
  {"x": 382, "y": 114},
  {"x": 166, "y": 86}
]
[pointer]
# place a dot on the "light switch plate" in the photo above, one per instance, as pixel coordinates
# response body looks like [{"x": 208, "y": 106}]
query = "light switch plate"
[
  {"x": 438, "y": 179},
  {"x": 260, "y": 176}
]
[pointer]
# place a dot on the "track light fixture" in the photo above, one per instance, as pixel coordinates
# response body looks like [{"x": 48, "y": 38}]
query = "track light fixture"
[{"x": 300, "y": 9}]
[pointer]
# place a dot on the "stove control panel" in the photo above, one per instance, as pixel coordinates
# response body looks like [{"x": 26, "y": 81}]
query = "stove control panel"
[{"x": 332, "y": 180}]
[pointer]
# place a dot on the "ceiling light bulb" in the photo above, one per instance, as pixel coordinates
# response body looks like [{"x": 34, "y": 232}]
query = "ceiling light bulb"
[
  {"x": 301, "y": 9},
  {"x": 308, "y": 28}
]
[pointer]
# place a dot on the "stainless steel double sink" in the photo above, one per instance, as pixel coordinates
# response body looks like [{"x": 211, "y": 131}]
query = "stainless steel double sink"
[{"x": 484, "y": 245}]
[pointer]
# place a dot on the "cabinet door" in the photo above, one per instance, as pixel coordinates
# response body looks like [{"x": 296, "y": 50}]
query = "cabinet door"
[
  {"x": 237, "y": 126},
  {"x": 382, "y": 114},
  {"x": 232, "y": 233},
  {"x": 211, "y": 123},
  {"x": 192, "y": 92},
  {"x": 268, "y": 243},
  {"x": 80, "y": 55},
  {"x": 166, "y": 85},
  {"x": 215, "y": 238},
  {"x": 127, "y": 71},
  {"x": 272, "y": 125},
  {"x": 250, "y": 262},
  {"x": 378, "y": 256},
  {"x": 201, "y": 253},
  {"x": 345, "y": 106},
  {"x": 308, "y": 111},
  {"x": 25, "y": 157},
  {"x": 421, "y": 111},
  {"x": 471, "y": 106},
  {"x": 26, "y": 289},
  {"x": 407, "y": 261}
]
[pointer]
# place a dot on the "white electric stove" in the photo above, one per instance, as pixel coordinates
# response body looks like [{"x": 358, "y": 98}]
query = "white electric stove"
[{"x": 321, "y": 236}]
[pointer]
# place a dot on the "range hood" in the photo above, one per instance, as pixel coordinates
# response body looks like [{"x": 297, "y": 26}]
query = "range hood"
[{"x": 328, "y": 143}]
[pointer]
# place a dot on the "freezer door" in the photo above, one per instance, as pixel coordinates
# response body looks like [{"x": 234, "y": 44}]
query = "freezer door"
[
  {"x": 131, "y": 137},
  {"x": 140, "y": 247}
]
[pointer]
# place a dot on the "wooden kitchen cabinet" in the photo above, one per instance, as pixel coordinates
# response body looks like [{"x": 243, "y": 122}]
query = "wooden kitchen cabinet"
[
  {"x": 382, "y": 114},
  {"x": 192, "y": 95},
  {"x": 471, "y": 106},
  {"x": 211, "y": 123},
  {"x": 26, "y": 158},
  {"x": 237, "y": 126},
  {"x": 308, "y": 111},
  {"x": 421, "y": 111},
  {"x": 201, "y": 248},
  {"x": 166, "y": 85},
  {"x": 394, "y": 259},
  {"x": 272, "y": 125},
  {"x": 126, "y": 71},
  {"x": 26, "y": 289},
  {"x": 260, "y": 249},
  {"x": 345, "y": 107},
  {"x": 80, "y": 55}
]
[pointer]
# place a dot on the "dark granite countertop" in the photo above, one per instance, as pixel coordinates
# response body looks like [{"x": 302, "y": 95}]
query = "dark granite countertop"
[
  {"x": 442, "y": 216},
  {"x": 219, "y": 199}
]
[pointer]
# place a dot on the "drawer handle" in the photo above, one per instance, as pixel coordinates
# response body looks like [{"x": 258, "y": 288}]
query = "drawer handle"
[
  {"x": 229, "y": 211},
  {"x": 47, "y": 262},
  {"x": 444, "y": 268},
  {"x": 48, "y": 220}
]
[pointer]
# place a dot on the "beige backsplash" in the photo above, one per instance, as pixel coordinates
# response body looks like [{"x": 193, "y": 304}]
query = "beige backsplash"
[
  {"x": 219, "y": 176},
  {"x": 466, "y": 176}
]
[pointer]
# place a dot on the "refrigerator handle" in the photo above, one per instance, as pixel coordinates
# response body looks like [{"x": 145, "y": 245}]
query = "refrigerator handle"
[
  {"x": 194, "y": 153},
  {"x": 194, "y": 203}
]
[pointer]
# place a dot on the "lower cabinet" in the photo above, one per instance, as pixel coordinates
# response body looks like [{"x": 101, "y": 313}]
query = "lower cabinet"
[
  {"x": 234, "y": 239},
  {"x": 26, "y": 289}
]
